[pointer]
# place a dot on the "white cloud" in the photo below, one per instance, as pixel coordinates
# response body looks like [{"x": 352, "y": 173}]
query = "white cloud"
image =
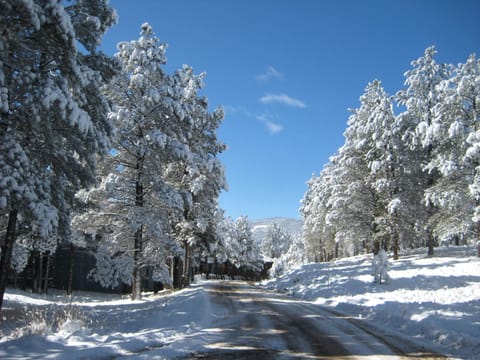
[
  {"x": 273, "y": 127},
  {"x": 237, "y": 110},
  {"x": 270, "y": 73},
  {"x": 283, "y": 99}
]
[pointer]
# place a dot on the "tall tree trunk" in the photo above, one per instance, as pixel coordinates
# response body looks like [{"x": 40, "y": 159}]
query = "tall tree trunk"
[
  {"x": 70, "y": 269},
  {"x": 40, "y": 273},
  {"x": 478, "y": 240},
  {"x": 137, "y": 275},
  {"x": 430, "y": 244},
  {"x": 138, "y": 236},
  {"x": 34, "y": 272},
  {"x": 178, "y": 272},
  {"x": 395, "y": 245},
  {"x": 186, "y": 266},
  {"x": 7, "y": 252},
  {"x": 137, "y": 248},
  {"x": 172, "y": 272},
  {"x": 47, "y": 274}
]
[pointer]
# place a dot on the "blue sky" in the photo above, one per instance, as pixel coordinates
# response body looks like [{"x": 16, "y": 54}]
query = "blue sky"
[{"x": 287, "y": 72}]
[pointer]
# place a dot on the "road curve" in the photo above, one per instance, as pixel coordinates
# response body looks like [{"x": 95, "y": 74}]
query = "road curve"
[{"x": 254, "y": 324}]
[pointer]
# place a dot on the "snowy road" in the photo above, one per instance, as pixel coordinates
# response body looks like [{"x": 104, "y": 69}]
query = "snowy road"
[
  {"x": 208, "y": 320},
  {"x": 252, "y": 323}
]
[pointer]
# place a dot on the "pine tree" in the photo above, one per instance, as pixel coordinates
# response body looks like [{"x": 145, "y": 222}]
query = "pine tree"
[
  {"x": 277, "y": 241},
  {"x": 356, "y": 205},
  {"x": 53, "y": 116},
  {"x": 160, "y": 185},
  {"x": 317, "y": 231},
  {"x": 199, "y": 177},
  {"x": 420, "y": 98},
  {"x": 136, "y": 203},
  {"x": 455, "y": 155},
  {"x": 249, "y": 251},
  {"x": 238, "y": 246}
]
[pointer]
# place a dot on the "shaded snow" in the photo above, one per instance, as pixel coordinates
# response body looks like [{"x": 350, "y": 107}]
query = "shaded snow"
[{"x": 435, "y": 298}]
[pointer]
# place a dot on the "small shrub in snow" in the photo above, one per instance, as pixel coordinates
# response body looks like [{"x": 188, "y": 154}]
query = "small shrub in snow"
[{"x": 380, "y": 267}]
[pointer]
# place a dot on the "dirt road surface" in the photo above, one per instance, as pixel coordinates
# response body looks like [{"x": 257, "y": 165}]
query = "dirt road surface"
[{"x": 254, "y": 324}]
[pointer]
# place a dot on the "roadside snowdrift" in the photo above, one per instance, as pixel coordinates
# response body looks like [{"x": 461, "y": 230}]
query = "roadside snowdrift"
[
  {"x": 99, "y": 326},
  {"x": 435, "y": 298}
]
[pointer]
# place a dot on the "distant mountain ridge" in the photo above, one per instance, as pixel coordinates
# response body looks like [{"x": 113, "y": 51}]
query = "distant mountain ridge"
[{"x": 260, "y": 226}]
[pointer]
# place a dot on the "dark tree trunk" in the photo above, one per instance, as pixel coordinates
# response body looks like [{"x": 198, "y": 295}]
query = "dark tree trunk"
[
  {"x": 137, "y": 275},
  {"x": 47, "y": 274},
  {"x": 34, "y": 272},
  {"x": 70, "y": 269},
  {"x": 172, "y": 271},
  {"x": 178, "y": 272},
  {"x": 430, "y": 244},
  {"x": 137, "y": 248},
  {"x": 395, "y": 246},
  {"x": 40, "y": 273},
  {"x": 186, "y": 266},
  {"x": 7, "y": 252}
]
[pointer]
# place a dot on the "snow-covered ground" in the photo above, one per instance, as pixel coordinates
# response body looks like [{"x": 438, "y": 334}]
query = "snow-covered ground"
[
  {"x": 99, "y": 326},
  {"x": 435, "y": 299}
]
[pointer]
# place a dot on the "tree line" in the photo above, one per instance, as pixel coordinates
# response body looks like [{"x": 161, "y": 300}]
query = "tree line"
[{"x": 403, "y": 180}]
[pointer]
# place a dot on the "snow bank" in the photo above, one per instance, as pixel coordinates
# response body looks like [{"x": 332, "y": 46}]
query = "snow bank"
[
  {"x": 436, "y": 299},
  {"x": 93, "y": 325}
]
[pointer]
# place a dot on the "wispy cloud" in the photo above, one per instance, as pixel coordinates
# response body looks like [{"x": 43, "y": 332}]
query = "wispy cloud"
[
  {"x": 272, "y": 127},
  {"x": 283, "y": 99},
  {"x": 270, "y": 73},
  {"x": 239, "y": 110}
]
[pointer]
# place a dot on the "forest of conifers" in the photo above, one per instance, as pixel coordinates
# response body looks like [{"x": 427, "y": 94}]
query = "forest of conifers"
[{"x": 407, "y": 178}]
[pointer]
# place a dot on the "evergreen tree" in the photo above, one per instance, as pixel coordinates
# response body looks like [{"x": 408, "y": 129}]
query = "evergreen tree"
[
  {"x": 420, "y": 98},
  {"x": 455, "y": 157},
  {"x": 356, "y": 206},
  {"x": 238, "y": 246},
  {"x": 160, "y": 185},
  {"x": 53, "y": 116},
  {"x": 199, "y": 177},
  {"x": 249, "y": 251},
  {"x": 277, "y": 241},
  {"x": 140, "y": 203},
  {"x": 318, "y": 233}
]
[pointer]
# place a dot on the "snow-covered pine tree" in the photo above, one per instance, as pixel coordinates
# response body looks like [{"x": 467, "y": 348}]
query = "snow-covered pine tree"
[
  {"x": 357, "y": 209},
  {"x": 249, "y": 254},
  {"x": 238, "y": 247},
  {"x": 227, "y": 246},
  {"x": 393, "y": 176},
  {"x": 456, "y": 156},
  {"x": 311, "y": 218},
  {"x": 294, "y": 257},
  {"x": 420, "y": 98},
  {"x": 365, "y": 194},
  {"x": 317, "y": 232},
  {"x": 199, "y": 177},
  {"x": 277, "y": 241},
  {"x": 53, "y": 116},
  {"x": 135, "y": 208}
]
